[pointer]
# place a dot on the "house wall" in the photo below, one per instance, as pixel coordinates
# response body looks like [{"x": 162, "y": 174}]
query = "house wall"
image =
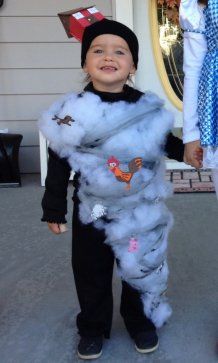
[{"x": 38, "y": 63}]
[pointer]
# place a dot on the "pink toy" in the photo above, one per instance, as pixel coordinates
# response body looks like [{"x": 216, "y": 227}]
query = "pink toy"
[{"x": 133, "y": 244}]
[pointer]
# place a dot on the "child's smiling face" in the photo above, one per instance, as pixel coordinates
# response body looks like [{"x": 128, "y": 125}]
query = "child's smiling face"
[{"x": 109, "y": 63}]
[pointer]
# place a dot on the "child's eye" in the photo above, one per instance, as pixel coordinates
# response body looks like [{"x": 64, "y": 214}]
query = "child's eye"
[
  {"x": 119, "y": 52},
  {"x": 98, "y": 51}
]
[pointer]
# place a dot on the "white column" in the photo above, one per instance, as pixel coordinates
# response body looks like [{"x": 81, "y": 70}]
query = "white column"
[
  {"x": 43, "y": 158},
  {"x": 123, "y": 11}
]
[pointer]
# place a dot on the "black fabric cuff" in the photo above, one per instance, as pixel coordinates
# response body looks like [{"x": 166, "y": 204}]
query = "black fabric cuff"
[{"x": 53, "y": 219}]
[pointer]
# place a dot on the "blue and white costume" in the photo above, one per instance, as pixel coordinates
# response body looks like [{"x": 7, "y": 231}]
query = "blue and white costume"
[{"x": 201, "y": 78}]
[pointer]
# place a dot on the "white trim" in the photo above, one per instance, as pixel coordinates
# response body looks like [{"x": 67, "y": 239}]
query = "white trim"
[
  {"x": 173, "y": 164},
  {"x": 123, "y": 11},
  {"x": 43, "y": 158}
]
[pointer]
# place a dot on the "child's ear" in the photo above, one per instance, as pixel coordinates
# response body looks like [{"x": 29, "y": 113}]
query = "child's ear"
[
  {"x": 132, "y": 69},
  {"x": 85, "y": 68}
]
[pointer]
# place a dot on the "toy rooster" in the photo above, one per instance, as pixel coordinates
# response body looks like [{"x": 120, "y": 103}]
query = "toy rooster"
[{"x": 122, "y": 176}]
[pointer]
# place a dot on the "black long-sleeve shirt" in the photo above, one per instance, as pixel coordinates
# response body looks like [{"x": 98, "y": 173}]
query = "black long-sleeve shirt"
[{"x": 54, "y": 202}]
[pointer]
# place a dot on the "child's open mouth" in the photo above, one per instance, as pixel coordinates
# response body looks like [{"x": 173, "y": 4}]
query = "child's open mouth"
[{"x": 108, "y": 69}]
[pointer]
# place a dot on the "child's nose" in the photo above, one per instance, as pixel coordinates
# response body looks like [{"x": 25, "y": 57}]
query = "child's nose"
[{"x": 108, "y": 56}]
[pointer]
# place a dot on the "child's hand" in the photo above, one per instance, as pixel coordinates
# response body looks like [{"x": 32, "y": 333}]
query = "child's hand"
[
  {"x": 198, "y": 155},
  {"x": 57, "y": 228},
  {"x": 193, "y": 154}
]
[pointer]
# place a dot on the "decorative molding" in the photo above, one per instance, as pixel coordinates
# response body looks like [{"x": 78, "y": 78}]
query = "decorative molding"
[{"x": 159, "y": 58}]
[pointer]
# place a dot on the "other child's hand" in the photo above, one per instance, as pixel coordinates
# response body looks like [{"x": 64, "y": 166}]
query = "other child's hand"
[
  {"x": 193, "y": 154},
  {"x": 198, "y": 156}
]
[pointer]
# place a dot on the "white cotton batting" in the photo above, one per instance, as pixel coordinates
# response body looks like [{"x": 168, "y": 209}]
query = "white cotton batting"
[{"x": 118, "y": 150}]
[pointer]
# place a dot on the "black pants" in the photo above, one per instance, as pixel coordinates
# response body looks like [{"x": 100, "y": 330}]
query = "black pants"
[{"x": 92, "y": 262}]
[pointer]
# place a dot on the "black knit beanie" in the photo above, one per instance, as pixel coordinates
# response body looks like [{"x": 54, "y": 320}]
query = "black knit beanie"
[{"x": 106, "y": 26}]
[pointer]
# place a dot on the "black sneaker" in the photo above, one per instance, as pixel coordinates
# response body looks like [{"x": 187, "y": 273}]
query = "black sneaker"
[
  {"x": 146, "y": 342},
  {"x": 90, "y": 347}
]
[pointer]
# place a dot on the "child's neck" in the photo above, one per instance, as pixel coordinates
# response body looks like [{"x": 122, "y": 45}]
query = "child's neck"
[{"x": 108, "y": 88}]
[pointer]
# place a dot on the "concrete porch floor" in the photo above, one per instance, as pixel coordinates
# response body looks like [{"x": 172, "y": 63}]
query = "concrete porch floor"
[{"x": 38, "y": 303}]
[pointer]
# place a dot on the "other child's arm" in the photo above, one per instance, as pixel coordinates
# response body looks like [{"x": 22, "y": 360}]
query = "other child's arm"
[{"x": 195, "y": 47}]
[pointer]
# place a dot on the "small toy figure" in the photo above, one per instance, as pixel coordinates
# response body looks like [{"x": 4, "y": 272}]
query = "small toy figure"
[
  {"x": 98, "y": 211},
  {"x": 65, "y": 121},
  {"x": 133, "y": 244},
  {"x": 122, "y": 176}
]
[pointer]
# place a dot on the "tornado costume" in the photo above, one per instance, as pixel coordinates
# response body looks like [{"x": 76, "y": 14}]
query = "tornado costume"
[{"x": 118, "y": 148}]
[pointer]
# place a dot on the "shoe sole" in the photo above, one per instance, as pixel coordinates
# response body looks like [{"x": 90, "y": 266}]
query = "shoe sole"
[
  {"x": 149, "y": 350},
  {"x": 89, "y": 357}
]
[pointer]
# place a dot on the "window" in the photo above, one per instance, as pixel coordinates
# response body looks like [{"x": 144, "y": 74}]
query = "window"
[{"x": 168, "y": 48}]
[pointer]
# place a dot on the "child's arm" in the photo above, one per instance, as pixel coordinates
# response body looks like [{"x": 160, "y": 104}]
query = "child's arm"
[
  {"x": 195, "y": 47},
  {"x": 174, "y": 147},
  {"x": 54, "y": 202}
]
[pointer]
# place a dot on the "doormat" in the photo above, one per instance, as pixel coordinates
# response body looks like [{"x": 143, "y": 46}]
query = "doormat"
[{"x": 191, "y": 181}]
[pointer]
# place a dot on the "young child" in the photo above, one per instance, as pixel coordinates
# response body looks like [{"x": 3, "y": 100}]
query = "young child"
[
  {"x": 114, "y": 137},
  {"x": 199, "y": 19}
]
